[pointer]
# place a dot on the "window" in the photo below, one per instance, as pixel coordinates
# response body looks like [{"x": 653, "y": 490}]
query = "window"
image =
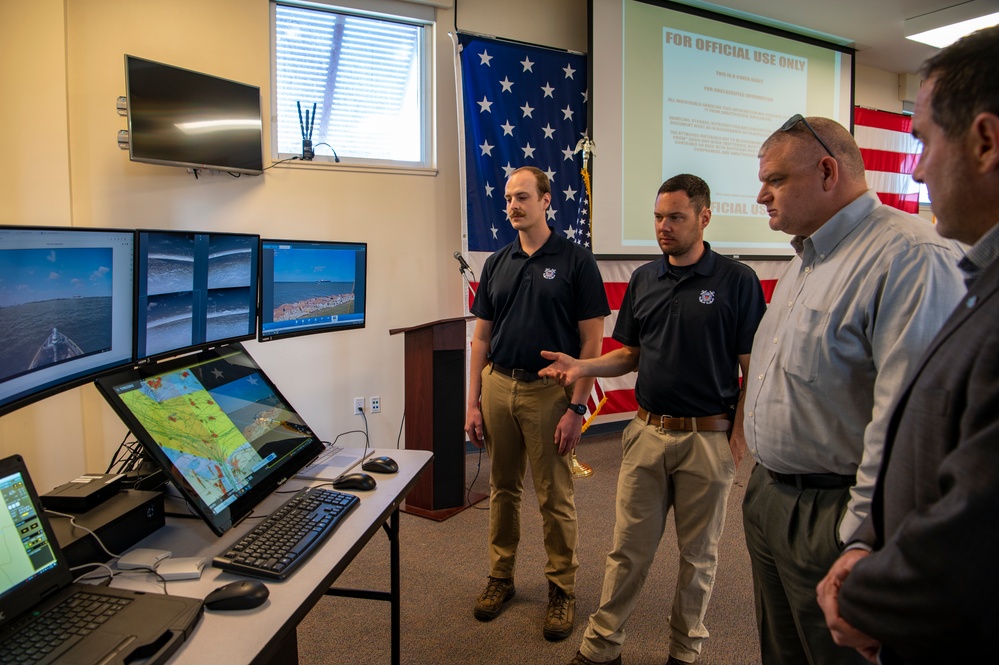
[{"x": 362, "y": 81}]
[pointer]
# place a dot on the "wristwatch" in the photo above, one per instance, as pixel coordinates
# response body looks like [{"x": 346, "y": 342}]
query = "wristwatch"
[{"x": 578, "y": 408}]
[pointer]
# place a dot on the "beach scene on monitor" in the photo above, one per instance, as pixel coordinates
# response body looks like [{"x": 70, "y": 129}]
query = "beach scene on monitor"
[
  {"x": 313, "y": 284},
  {"x": 55, "y": 306}
]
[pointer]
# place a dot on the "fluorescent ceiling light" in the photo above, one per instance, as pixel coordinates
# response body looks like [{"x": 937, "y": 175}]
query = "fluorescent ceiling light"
[{"x": 943, "y": 28}]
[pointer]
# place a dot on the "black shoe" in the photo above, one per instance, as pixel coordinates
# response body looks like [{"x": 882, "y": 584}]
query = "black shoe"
[
  {"x": 561, "y": 613},
  {"x": 580, "y": 659},
  {"x": 673, "y": 661},
  {"x": 491, "y": 602}
]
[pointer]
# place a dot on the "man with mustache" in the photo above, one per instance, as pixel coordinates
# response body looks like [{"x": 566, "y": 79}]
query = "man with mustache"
[
  {"x": 686, "y": 324},
  {"x": 541, "y": 291}
]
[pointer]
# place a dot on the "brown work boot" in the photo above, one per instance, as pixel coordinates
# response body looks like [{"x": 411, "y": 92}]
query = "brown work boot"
[
  {"x": 490, "y": 603},
  {"x": 580, "y": 659},
  {"x": 561, "y": 613}
]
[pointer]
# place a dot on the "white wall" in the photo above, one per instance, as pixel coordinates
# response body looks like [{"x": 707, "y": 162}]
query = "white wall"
[{"x": 61, "y": 69}]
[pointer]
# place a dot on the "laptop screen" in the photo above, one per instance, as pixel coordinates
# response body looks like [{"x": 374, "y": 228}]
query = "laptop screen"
[
  {"x": 26, "y": 547},
  {"x": 32, "y": 566},
  {"x": 217, "y": 425}
]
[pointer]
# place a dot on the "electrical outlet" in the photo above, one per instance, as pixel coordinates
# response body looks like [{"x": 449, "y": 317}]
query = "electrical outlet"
[
  {"x": 376, "y": 404},
  {"x": 358, "y": 405}
]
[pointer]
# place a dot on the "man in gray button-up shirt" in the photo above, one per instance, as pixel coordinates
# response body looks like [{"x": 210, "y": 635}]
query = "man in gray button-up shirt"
[{"x": 866, "y": 292}]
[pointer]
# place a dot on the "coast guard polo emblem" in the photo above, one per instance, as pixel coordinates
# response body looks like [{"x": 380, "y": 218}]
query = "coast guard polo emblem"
[
  {"x": 549, "y": 273},
  {"x": 707, "y": 297}
]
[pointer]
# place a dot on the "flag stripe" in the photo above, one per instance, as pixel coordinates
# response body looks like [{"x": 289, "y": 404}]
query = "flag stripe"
[
  {"x": 890, "y": 155},
  {"x": 895, "y": 162},
  {"x": 883, "y": 139},
  {"x": 896, "y": 122},
  {"x": 892, "y": 183},
  {"x": 906, "y": 202}
]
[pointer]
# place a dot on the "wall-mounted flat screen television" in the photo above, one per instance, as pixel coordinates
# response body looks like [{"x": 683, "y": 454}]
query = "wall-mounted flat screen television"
[
  {"x": 178, "y": 117},
  {"x": 66, "y": 312},
  {"x": 311, "y": 286},
  {"x": 193, "y": 290}
]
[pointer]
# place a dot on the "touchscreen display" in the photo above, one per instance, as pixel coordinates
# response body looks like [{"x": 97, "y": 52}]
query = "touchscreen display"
[{"x": 217, "y": 425}]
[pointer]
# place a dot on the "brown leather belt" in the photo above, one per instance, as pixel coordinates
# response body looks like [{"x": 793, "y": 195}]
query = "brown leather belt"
[
  {"x": 517, "y": 374},
  {"x": 720, "y": 423}
]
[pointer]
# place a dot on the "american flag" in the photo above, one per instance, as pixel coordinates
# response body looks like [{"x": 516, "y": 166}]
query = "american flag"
[
  {"x": 523, "y": 106},
  {"x": 890, "y": 154}
]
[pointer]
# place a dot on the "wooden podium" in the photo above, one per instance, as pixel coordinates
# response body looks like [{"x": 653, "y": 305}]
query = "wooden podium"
[{"x": 435, "y": 416}]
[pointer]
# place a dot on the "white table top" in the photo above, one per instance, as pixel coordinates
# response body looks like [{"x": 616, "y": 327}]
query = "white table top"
[{"x": 255, "y": 631}]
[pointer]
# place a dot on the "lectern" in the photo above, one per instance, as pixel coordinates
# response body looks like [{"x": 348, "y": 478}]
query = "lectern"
[{"x": 435, "y": 415}]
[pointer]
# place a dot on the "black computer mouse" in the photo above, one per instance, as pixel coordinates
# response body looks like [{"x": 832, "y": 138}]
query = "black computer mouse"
[
  {"x": 381, "y": 464},
  {"x": 240, "y": 595},
  {"x": 355, "y": 481}
]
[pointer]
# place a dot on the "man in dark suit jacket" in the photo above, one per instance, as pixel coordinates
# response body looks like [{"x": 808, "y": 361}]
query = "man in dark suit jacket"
[{"x": 917, "y": 583}]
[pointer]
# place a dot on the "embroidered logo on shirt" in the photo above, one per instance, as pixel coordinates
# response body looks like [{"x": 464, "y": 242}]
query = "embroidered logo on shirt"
[
  {"x": 707, "y": 297},
  {"x": 549, "y": 273}
]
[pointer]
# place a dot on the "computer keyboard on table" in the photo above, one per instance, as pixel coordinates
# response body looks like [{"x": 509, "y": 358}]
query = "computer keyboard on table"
[{"x": 276, "y": 547}]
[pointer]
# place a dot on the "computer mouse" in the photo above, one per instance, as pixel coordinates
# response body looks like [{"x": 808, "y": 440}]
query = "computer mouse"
[
  {"x": 381, "y": 464},
  {"x": 355, "y": 481},
  {"x": 239, "y": 595}
]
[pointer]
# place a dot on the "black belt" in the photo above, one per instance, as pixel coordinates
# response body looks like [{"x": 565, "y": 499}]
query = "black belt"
[
  {"x": 813, "y": 481},
  {"x": 517, "y": 374}
]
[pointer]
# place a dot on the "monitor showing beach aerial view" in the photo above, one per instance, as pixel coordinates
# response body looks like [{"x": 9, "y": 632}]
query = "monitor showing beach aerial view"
[
  {"x": 311, "y": 286},
  {"x": 193, "y": 290},
  {"x": 65, "y": 308}
]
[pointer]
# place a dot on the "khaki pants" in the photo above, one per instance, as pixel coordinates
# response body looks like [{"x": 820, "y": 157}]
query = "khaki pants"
[
  {"x": 692, "y": 473},
  {"x": 519, "y": 420}
]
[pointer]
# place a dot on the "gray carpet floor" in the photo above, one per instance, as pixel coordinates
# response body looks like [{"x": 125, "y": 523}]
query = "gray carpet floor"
[{"x": 444, "y": 568}]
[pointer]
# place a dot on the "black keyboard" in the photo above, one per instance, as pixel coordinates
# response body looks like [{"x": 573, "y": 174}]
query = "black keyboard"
[
  {"x": 275, "y": 548},
  {"x": 42, "y": 638}
]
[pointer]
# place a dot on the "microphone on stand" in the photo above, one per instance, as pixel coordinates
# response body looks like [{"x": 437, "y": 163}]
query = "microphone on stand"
[
  {"x": 463, "y": 269},
  {"x": 463, "y": 263}
]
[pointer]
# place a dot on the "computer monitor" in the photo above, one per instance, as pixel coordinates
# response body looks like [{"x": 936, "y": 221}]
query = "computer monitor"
[
  {"x": 311, "y": 286},
  {"x": 193, "y": 290},
  {"x": 217, "y": 425},
  {"x": 65, "y": 308}
]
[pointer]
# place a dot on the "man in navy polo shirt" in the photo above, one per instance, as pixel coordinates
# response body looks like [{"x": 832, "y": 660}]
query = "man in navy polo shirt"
[
  {"x": 539, "y": 292},
  {"x": 686, "y": 324}
]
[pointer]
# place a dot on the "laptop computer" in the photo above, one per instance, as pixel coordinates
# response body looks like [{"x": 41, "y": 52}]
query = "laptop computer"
[
  {"x": 333, "y": 462},
  {"x": 38, "y": 595}
]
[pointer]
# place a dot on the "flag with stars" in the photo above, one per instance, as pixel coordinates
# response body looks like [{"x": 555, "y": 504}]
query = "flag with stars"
[{"x": 523, "y": 106}]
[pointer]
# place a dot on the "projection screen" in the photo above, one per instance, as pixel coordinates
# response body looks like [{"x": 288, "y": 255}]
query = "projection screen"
[{"x": 680, "y": 90}]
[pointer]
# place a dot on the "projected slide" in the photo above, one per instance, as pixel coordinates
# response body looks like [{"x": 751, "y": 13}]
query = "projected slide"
[{"x": 677, "y": 93}]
